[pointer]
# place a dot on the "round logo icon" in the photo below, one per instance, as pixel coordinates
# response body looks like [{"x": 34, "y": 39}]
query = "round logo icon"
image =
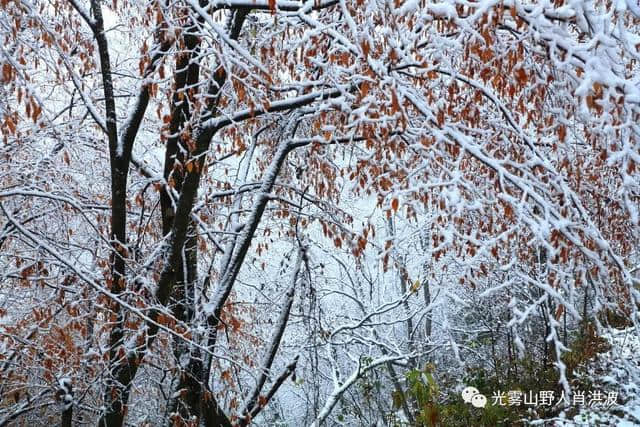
[
  {"x": 479, "y": 401},
  {"x": 472, "y": 395},
  {"x": 468, "y": 393}
]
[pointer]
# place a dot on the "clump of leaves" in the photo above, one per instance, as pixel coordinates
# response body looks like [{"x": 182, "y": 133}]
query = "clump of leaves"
[
  {"x": 616, "y": 319},
  {"x": 585, "y": 347},
  {"x": 431, "y": 407},
  {"x": 424, "y": 396},
  {"x": 422, "y": 392}
]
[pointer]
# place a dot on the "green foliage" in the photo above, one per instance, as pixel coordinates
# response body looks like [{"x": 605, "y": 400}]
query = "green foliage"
[
  {"x": 457, "y": 413},
  {"x": 431, "y": 407},
  {"x": 422, "y": 391}
]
